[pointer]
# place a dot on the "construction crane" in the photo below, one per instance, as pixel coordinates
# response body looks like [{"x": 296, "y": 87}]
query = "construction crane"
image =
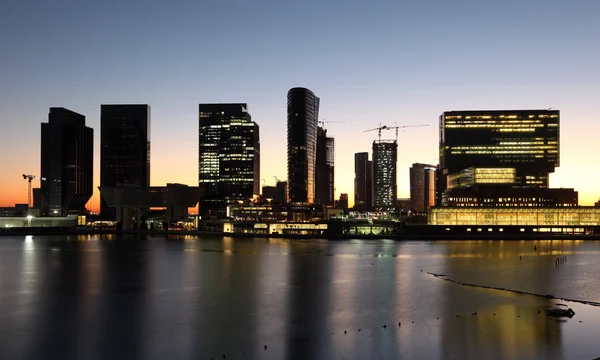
[
  {"x": 30, "y": 178},
  {"x": 322, "y": 122},
  {"x": 402, "y": 127},
  {"x": 385, "y": 127}
]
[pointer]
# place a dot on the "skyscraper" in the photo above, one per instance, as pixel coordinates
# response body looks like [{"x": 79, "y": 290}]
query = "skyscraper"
[
  {"x": 125, "y": 148},
  {"x": 324, "y": 176},
  {"x": 363, "y": 182},
  {"x": 67, "y": 163},
  {"x": 229, "y": 156},
  {"x": 385, "y": 189},
  {"x": 281, "y": 192},
  {"x": 422, "y": 187},
  {"x": 302, "y": 121}
]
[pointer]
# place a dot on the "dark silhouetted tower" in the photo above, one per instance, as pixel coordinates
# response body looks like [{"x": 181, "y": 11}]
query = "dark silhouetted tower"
[
  {"x": 67, "y": 163},
  {"x": 125, "y": 148},
  {"x": 303, "y": 114},
  {"x": 422, "y": 187},
  {"x": 363, "y": 182},
  {"x": 324, "y": 176}
]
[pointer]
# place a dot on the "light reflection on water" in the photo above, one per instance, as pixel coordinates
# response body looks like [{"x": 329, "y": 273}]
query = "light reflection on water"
[{"x": 186, "y": 297}]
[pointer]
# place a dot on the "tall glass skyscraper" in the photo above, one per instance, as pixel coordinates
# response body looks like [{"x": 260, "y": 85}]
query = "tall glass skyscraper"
[
  {"x": 125, "y": 148},
  {"x": 229, "y": 157},
  {"x": 67, "y": 163},
  {"x": 302, "y": 121},
  {"x": 385, "y": 187}
]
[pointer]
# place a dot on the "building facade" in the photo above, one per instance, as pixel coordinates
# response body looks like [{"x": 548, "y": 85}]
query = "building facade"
[
  {"x": 324, "y": 176},
  {"x": 67, "y": 163},
  {"x": 385, "y": 157},
  {"x": 302, "y": 121},
  {"x": 269, "y": 192},
  {"x": 422, "y": 187},
  {"x": 518, "y": 216},
  {"x": 281, "y": 192},
  {"x": 523, "y": 141},
  {"x": 229, "y": 157},
  {"x": 363, "y": 182},
  {"x": 125, "y": 148}
]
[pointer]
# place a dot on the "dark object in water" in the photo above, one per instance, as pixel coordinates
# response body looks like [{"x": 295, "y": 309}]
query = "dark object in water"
[{"x": 560, "y": 312}]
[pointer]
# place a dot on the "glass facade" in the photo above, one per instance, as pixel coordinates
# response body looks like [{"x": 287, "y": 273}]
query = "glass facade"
[
  {"x": 363, "y": 183},
  {"x": 524, "y": 140},
  {"x": 385, "y": 156},
  {"x": 124, "y": 149},
  {"x": 302, "y": 121},
  {"x": 422, "y": 187},
  {"x": 229, "y": 156},
  {"x": 324, "y": 175},
  {"x": 67, "y": 163},
  {"x": 567, "y": 216}
]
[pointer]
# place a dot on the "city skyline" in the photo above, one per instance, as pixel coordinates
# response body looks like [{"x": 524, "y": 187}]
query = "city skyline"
[{"x": 394, "y": 63}]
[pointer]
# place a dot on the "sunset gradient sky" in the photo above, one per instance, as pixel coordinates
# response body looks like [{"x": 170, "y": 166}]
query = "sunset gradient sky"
[{"x": 370, "y": 62}]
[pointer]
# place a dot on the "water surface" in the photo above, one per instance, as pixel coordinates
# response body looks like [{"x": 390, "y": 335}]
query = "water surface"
[{"x": 200, "y": 298}]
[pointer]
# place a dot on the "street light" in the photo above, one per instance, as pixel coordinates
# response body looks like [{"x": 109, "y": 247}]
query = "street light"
[{"x": 29, "y": 217}]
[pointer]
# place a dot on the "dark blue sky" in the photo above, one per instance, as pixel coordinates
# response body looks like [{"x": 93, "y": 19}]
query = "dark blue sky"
[{"x": 369, "y": 62}]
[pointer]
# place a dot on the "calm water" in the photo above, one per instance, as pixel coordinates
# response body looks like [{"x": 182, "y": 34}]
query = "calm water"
[{"x": 202, "y": 298}]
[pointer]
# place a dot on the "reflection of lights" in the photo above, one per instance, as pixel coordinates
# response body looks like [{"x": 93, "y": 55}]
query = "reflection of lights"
[{"x": 29, "y": 239}]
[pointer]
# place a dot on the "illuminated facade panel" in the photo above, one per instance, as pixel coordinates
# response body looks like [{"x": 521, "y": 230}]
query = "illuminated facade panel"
[
  {"x": 526, "y": 140},
  {"x": 302, "y": 121},
  {"x": 229, "y": 156},
  {"x": 385, "y": 158},
  {"x": 525, "y": 216}
]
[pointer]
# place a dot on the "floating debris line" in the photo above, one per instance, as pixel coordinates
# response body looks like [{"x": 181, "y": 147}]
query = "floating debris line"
[{"x": 548, "y": 296}]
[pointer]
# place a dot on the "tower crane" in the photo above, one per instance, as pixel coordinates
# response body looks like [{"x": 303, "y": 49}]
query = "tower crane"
[
  {"x": 402, "y": 127},
  {"x": 385, "y": 127},
  {"x": 29, "y": 178},
  {"x": 378, "y": 130},
  {"x": 322, "y": 122}
]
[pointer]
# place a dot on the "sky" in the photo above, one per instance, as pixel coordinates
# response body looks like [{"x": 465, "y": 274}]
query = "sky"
[{"x": 370, "y": 62}]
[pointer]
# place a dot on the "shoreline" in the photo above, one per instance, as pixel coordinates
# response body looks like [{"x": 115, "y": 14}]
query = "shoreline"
[{"x": 395, "y": 237}]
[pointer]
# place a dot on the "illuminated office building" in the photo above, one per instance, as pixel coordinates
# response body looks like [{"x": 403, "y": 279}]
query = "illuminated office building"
[
  {"x": 422, "y": 187},
  {"x": 385, "y": 156},
  {"x": 499, "y": 152},
  {"x": 229, "y": 157},
  {"x": 67, "y": 163},
  {"x": 124, "y": 150},
  {"x": 363, "y": 182},
  {"x": 324, "y": 164},
  {"x": 302, "y": 121},
  {"x": 525, "y": 142}
]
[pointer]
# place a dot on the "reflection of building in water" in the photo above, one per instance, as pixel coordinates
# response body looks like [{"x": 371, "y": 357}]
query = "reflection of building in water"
[
  {"x": 309, "y": 302},
  {"x": 516, "y": 330}
]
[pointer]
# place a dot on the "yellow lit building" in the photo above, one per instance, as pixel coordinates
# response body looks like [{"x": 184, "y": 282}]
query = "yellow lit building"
[{"x": 517, "y": 216}]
